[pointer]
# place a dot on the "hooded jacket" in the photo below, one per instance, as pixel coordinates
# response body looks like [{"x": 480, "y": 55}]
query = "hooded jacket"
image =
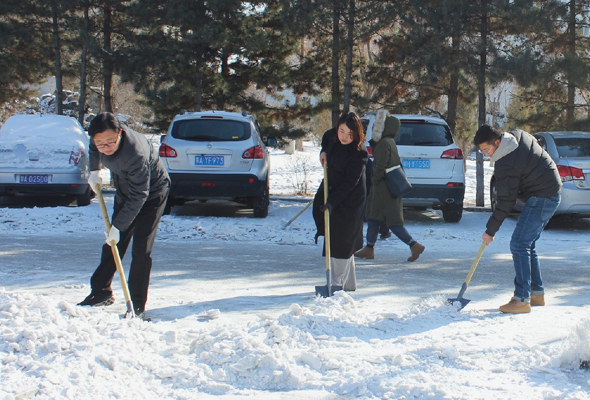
[
  {"x": 522, "y": 169},
  {"x": 381, "y": 205}
]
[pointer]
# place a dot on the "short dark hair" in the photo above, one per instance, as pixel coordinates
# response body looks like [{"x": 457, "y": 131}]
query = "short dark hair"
[
  {"x": 486, "y": 134},
  {"x": 353, "y": 122},
  {"x": 103, "y": 122}
]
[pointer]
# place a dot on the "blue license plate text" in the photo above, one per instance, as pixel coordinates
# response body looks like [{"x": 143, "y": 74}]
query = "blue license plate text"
[
  {"x": 422, "y": 164},
  {"x": 34, "y": 179},
  {"x": 209, "y": 160}
]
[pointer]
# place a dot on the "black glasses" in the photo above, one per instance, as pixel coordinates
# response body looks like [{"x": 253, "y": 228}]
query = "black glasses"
[{"x": 107, "y": 144}]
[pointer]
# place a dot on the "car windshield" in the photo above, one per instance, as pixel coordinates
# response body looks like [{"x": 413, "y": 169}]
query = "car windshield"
[
  {"x": 573, "y": 147},
  {"x": 423, "y": 134},
  {"x": 211, "y": 130}
]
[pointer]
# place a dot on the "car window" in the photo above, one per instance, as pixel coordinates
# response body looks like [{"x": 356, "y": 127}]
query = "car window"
[
  {"x": 365, "y": 123},
  {"x": 211, "y": 130},
  {"x": 573, "y": 147},
  {"x": 542, "y": 142},
  {"x": 423, "y": 134}
]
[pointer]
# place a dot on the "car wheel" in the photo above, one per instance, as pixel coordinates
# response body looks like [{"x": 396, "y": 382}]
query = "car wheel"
[
  {"x": 452, "y": 212},
  {"x": 84, "y": 199},
  {"x": 260, "y": 204},
  {"x": 493, "y": 194},
  {"x": 168, "y": 206}
]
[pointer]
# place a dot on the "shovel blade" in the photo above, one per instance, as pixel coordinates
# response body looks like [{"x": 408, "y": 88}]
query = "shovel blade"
[
  {"x": 324, "y": 292},
  {"x": 461, "y": 300}
]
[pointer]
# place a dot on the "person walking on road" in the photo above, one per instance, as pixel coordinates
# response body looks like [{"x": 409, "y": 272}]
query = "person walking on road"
[
  {"x": 344, "y": 152},
  {"x": 142, "y": 184},
  {"x": 381, "y": 204},
  {"x": 523, "y": 170}
]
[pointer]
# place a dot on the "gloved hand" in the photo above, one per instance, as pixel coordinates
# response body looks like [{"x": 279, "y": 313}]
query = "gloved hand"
[
  {"x": 94, "y": 179},
  {"x": 325, "y": 207},
  {"x": 113, "y": 236}
]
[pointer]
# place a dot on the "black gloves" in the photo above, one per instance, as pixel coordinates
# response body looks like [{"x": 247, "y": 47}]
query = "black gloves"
[{"x": 325, "y": 207}]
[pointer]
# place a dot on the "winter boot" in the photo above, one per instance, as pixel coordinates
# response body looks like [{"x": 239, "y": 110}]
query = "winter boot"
[
  {"x": 538, "y": 300},
  {"x": 385, "y": 235},
  {"x": 416, "y": 249},
  {"x": 97, "y": 299},
  {"x": 515, "y": 307},
  {"x": 367, "y": 252}
]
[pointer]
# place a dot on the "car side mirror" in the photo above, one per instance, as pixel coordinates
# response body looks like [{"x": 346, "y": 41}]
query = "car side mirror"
[{"x": 271, "y": 141}]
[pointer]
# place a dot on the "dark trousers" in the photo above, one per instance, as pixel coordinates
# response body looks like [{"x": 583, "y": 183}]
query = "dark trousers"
[{"x": 143, "y": 231}]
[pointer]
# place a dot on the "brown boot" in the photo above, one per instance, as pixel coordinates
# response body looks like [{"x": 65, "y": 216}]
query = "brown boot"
[
  {"x": 515, "y": 307},
  {"x": 538, "y": 300},
  {"x": 416, "y": 249},
  {"x": 367, "y": 252}
]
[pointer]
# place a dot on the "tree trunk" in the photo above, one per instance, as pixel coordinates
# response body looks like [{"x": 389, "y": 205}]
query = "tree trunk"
[
  {"x": 571, "y": 88},
  {"x": 481, "y": 88},
  {"x": 199, "y": 89},
  {"x": 454, "y": 87},
  {"x": 59, "y": 96},
  {"x": 107, "y": 63},
  {"x": 349, "y": 48},
  {"x": 335, "y": 64},
  {"x": 83, "y": 61}
]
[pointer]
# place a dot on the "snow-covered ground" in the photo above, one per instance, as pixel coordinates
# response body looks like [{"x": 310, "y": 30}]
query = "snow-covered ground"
[{"x": 375, "y": 343}]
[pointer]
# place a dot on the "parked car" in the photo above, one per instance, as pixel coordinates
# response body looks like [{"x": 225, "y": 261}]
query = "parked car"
[
  {"x": 44, "y": 155},
  {"x": 571, "y": 152},
  {"x": 432, "y": 161},
  {"x": 217, "y": 155}
]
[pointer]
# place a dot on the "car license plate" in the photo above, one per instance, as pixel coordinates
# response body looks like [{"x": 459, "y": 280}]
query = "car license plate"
[
  {"x": 209, "y": 160},
  {"x": 420, "y": 164},
  {"x": 34, "y": 179}
]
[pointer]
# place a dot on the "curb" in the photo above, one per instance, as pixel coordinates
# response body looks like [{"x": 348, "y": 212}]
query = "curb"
[{"x": 307, "y": 199}]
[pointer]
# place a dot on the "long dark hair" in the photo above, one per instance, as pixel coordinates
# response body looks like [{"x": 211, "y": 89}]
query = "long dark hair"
[{"x": 353, "y": 122}]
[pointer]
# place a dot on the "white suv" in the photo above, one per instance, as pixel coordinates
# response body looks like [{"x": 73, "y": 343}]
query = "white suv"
[
  {"x": 432, "y": 161},
  {"x": 217, "y": 155}
]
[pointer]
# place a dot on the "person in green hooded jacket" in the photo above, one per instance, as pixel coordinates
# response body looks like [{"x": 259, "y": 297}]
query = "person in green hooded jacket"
[{"x": 381, "y": 204}]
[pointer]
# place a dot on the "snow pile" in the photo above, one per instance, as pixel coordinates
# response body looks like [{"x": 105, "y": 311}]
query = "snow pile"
[
  {"x": 576, "y": 348},
  {"x": 57, "y": 350}
]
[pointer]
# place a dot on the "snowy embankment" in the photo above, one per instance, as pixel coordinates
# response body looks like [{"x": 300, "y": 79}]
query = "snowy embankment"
[
  {"x": 341, "y": 347},
  {"x": 54, "y": 349}
]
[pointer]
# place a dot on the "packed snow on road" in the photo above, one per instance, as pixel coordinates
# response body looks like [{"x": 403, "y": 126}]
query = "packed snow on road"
[{"x": 231, "y": 325}]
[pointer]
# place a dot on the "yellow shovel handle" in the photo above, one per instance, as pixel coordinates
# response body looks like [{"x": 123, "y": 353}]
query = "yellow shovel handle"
[{"x": 115, "y": 250}]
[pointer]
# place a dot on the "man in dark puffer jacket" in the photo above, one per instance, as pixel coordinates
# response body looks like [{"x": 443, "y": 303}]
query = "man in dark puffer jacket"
[
  {"x": 142, "y": 185},
  {"x": 523, "y": 170}
]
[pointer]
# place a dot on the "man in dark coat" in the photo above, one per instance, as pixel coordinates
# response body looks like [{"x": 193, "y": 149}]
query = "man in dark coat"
[
  {"x": 381, "y": 205},
  {"x": 142, "y": 185},
  {"x": 344, "y": 152},
  {"x": 523, "y": 170}
]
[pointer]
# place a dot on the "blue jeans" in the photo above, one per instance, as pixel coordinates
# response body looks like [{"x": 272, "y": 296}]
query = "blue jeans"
[
  {"x": 398, "y": 230},
  {"x": 534, "y": 216}
]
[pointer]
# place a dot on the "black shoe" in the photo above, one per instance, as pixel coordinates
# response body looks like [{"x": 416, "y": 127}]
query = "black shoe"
[
  {"x": 386, "y": 235},
  {"x": 98, "y": 299},
  {"x": 139, "y": 313}
]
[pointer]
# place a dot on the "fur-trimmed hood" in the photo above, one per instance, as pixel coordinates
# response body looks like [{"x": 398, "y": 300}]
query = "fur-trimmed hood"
[{"x": 385, "y": 125}]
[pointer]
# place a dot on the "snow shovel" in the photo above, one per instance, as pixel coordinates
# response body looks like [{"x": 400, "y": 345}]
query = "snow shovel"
[
  {"x": 298, "y": 214},
  {"x": 460, "y": 298},
  {"x": 328, "y": 290},
  {"x": 105, "y": 215}
]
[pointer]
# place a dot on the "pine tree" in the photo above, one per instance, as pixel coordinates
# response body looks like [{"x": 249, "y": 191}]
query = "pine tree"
[
  {"x": 24, "y": 56},
  {"x": 549, "y": 63}
]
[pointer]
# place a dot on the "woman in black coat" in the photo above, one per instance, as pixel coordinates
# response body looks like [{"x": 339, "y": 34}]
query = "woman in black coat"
[{"x": 344, "y": 151}]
